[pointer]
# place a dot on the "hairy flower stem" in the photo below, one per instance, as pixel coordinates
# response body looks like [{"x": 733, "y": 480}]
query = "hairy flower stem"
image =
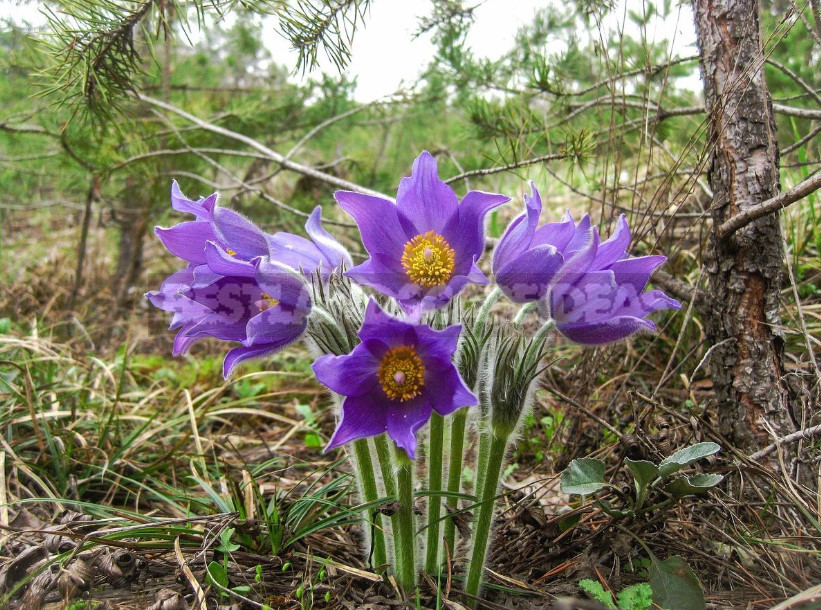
[
  {"x": 485, "y": 509},
  {"x": 404, "y": 524},
  {"x": 457, "y": 444},
  {"x": 435, "y": 450},
  {"x": 484, "y": 310},
  {"x": 367, "y": 482},
  {"x": 399, "y": 484}
]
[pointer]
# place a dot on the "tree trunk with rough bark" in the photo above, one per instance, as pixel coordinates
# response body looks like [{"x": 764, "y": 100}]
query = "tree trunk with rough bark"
[{"x": 744, "y": 269}]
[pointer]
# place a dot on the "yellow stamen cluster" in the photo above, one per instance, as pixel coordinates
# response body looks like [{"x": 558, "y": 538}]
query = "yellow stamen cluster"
[
  {"x": 428, "y": 260},
  {"x": 266, "y": 301},
  {"x": 231, "y": 252},
  {"x": 401, "y": 373}
]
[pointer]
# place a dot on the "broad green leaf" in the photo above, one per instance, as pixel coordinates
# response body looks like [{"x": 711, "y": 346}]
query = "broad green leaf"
[
  {"x": 643, "y": 471},
  {"x": 684, "y": 457},
  {"x": 698, "y": 483},
  {"x": 583, "y": 476},
  {"x": 596, "y": 591},
  {"x": 635, "y": 597},
  {"x": 217, "y": 574},
  {"x": 674, "y": 585}
]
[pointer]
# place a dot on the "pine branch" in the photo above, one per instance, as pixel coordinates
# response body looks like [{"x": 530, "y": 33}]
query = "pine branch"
[
  {"x": 329, "y": 24},
  {"x": 95, "y": 59}
]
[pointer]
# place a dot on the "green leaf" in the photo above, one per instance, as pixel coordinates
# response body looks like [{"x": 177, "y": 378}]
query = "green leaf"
[
  {"x": 583, "y": 476},
  {"x": 674, "y": 585},
  {"x": 635, "y": 597},
  {"x": 217, "y": 575},
  {"x": 684, "y": 457},
  {"x": 698, "y": 483},
  {"x": 643, "y": 471},
  {"x": 597, "y": 592}
]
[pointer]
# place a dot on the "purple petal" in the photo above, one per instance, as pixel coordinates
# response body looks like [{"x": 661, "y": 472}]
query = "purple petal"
[
  {"x": 276, "y": 326},
  {"x": 350, "y": 375},
  {"x": 362, "y": 417},
  {"x": 240, "y": 234},
  {"x": 183, "y": 342},
  {"x": 187, "y": 240},
  {"x": 387, "y": 276},
  {"x": 635, "y": 271},
  {"x": 335, "y": 253},
  {"x": 283, "y": 284},
  {"x": 466, "y": 232},
  {"x": 203, "y": 208},
  {"x": 378, "y": 223},
  {"x": 615, "y": 247},
  {"x": 448, "y": 393},
  {"x": 294, "y": 251},
  {"x": 404, "y": 419},
  {"x": 527, "y": 277},
  {"x": 581, "y": 235},
  {"x": 556, "y": 234},
  {"x": 607, "y": 331},
  {"x": 240, "y": 354},
  {"x": 424, "y": 202},
  {"x": 222, "y": 263},
  {"x": 520, "y": 231}
]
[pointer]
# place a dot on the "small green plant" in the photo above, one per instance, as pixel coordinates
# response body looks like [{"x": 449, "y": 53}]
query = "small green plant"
[
  {"x": 634, "y": 597},
  {"x": 655, "y": 485}
]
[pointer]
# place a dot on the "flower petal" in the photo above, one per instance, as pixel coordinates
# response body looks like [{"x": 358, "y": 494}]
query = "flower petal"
[
  {"x": 615, "y": 247},
  {"x": 361, "y": 417},
  {"x": 636, "y": 271},
  {"x": 404, "y": 419},
  {"x": 283, "y": 284},
  {"x": 203, "y": 208},
  {"x": 187, "y": 240},
  {"x": 527, "y": 277},
  {"x": 378, "y": 223},
  {"x": 239, "y": 234},
  {"x": 277, "y": 326},
  {"x": 449, "y": 392},
  {"x": 520, "y": 231},
  {"x": 385, "y": 275},
  {"x": 424, "y": 202},
  {"x": 466, "y": 233},
  {"x": 353, "y": 374},
  {"x": 335, "y": 253},
  {"x": 613, "y": 329},
  {"x": 222, "y": 263},
  {"x": 240, "y": 354}
]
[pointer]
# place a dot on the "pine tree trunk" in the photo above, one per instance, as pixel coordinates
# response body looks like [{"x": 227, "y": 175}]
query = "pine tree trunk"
[{"x": 744, "y": 269}]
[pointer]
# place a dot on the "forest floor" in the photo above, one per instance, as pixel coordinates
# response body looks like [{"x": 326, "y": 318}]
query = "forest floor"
[{"x": 129, "y": 479}]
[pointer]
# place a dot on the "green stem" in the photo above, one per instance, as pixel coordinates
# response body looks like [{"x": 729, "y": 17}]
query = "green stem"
[
  {"x": 457, "y": 445},
  {"x": 383, "y": 452},
  {"x": 435, "y": 450},
  {"x": 484, "y": 516},
  {"x": 484, "y": 310},
  {"x": 482, "y": 456},
  {"x": 367, "y": 484},
  {"x": 519, "y": 318},
  {"x": 404, "y": 523}
]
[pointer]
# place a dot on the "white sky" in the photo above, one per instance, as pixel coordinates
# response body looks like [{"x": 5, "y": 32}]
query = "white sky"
[{"x": 385, "y": 56}]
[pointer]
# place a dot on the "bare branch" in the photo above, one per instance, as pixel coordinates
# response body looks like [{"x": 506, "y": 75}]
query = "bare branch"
[
  {"x": 271, "y": 154},
  {"x": 504, "y": 168},
  {"x": 782, "y": 200}
]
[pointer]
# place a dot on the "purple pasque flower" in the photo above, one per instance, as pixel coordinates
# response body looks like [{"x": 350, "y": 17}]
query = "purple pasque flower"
[
  {"x": 423, "y": 249},
  {"x": 264, "y": 312},
  {"x": 592, "y": 289},
  {"x": 393, "y": 379},
  {"x": 228, "y": 243}
]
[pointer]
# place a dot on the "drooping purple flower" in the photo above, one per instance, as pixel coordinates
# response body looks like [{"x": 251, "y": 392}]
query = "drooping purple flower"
[
  {"x": 264, "y": 312},
  {"x": 592, "y": 289},
  {"x": 227, "y": 242},
  {"x": 241, "y": 284},
  {"x": 393, "y": 379},
  {"x": 424, "y": 248}
]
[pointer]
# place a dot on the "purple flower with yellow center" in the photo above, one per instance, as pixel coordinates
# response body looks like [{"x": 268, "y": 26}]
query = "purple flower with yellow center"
[
  {"x": 264, "y": 312},
  {"x": 424, "y": 248},
  {"x": 394, "y": 379},
  {"x": 593, "y": 290}
]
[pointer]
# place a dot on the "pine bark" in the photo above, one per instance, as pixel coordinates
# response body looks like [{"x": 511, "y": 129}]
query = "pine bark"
[{"x": 744, "y": 269}]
